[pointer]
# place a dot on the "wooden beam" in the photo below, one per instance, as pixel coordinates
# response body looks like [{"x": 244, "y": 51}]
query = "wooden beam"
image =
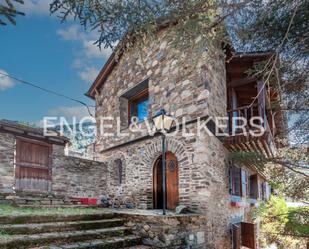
[
  {"x": 241, "y": 81},
  {"x": 266, "y": 147}
]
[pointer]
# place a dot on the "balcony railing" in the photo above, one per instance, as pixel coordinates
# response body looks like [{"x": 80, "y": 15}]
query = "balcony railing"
[
  {"x": 248, "y": 117},
  {"x": 249, "y": 130}
]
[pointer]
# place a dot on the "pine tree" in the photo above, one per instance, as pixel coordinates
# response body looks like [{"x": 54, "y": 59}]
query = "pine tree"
[{"x": 8, "y": 12}]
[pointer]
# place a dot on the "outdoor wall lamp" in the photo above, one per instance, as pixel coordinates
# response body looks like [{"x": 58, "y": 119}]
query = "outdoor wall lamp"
[{"x": 163, "y": 124}]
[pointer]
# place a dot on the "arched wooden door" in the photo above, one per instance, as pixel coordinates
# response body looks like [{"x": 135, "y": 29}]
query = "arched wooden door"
[{"x": 172, "y": 185}]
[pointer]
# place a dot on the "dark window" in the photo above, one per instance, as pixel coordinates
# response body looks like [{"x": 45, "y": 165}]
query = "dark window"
[
  {"x": 235, "y": 181},
  {"x": 134, "y": 103},
  {"x": 138, "y": 106},
  {"x": 239, "y": 182},
  {"x": 254, "y": 186}
]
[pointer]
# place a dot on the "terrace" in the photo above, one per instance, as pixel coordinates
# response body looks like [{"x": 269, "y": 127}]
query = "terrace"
[{"x": 249, "y": 101}]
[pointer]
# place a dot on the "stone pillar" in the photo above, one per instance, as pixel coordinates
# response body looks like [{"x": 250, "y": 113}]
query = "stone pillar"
[{"x": 7, "y": 169}]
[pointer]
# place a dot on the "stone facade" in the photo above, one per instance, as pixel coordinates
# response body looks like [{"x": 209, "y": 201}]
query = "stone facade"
[
  {"x": 185, "y": 89},
  {"x": 77, "y": 177},
  {"x": 203, "y": 181},
  {"x": 172, "y": 231},
  {"x": 7, "y": 169}
]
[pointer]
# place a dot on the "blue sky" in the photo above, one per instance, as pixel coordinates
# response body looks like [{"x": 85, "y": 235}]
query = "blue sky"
[{"x": 57, "y": 56}]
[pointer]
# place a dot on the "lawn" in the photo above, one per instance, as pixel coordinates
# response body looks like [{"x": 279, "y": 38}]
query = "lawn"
[{"x": 8, "y": 210}]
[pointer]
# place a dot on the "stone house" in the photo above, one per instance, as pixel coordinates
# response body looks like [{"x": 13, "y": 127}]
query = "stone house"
[
  {"x": 200, "y": 172},
  {"x": 31, "y": 163}
]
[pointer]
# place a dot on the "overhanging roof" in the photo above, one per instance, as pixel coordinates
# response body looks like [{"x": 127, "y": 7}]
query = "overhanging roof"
[
  {"x": 112, "y": 62},
  {"x": 17, "y": 129},
  {"x": 101, "y": 78}
]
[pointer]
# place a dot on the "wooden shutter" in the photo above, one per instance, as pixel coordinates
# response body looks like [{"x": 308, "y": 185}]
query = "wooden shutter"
[
  {"x": 244, "y": 182},
  {"x": 264, "y": 190},
  {"x": 248, "y": 235},
  {"x": 230, "y": 180},
  {"x": 237, "y": 181},
  {"x": 268, "y": 191},
  {"x": 236, "y": 236}
]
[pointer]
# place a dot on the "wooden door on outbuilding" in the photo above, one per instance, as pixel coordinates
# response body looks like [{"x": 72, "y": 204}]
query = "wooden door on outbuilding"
[
  {"x": 33, "y": 171},
  {"x": 244, "y": 234}
]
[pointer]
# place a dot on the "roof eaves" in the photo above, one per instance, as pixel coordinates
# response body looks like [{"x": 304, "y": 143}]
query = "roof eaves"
[
  {"x": 12, "y": 126},
  {"x": 102, "y": 76}
]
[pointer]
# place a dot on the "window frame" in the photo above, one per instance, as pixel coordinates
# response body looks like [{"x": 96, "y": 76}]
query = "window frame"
[
  {"x": 133, "y": 102},
  {"x": 254, "y": 186},
  {"x": 234, "y": 171},
  {"x": 241, "y": 187}
]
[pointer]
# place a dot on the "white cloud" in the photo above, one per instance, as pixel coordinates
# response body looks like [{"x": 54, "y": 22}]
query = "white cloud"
[
  {"x": 35, "y": 7},
  {"x": 78, "y": 63},
  {"x": 88, "y": 53},
  {"x": 93, "y": 51},
  {"x": 89, "y": 74},
  {"x": 71, "y": 34},
  {"x": 5, "y": 82},
  {"x": 71, "y": 111},
  {"x": 87, "y": 40}
]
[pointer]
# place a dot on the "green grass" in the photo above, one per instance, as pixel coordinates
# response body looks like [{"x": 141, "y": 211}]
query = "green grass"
[
  {"x": 8, "y": 210},
  {"x": 4, "y": 235}
]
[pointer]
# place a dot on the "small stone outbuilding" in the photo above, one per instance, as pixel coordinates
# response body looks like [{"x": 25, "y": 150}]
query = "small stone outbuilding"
[{"x": 36, "y": 164}]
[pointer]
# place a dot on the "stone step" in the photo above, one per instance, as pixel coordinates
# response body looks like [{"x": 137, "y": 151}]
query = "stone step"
[
  {"x": 41, "y": 200},
  {"x": 36, "y": 228},
  {"x": 138, "y": 247},
  {"x": 26, "y": 219},
  {"x": 28, "y": 241},
  {"x": 55, "y": 206},
  {"x": 22, "y": 201},
  {"x": 130, "y": 241}
]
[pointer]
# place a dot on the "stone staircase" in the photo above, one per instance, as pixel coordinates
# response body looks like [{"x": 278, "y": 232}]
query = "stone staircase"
[
  {"x": 105, "y": 230},
  {"x": 30, "y": 200}
]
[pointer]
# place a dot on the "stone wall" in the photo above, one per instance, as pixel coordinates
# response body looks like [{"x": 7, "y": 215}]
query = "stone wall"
[
  {"x": 172, "y": 231},
  {"x": 7, "y": 174},
  {"x": 203, "y": 180},
  {"x": 71, "y": 176},
  {"x": 185, "y": 83},
  {"x": 77, "y": 177},
  {"x": 186, "y": 88}
]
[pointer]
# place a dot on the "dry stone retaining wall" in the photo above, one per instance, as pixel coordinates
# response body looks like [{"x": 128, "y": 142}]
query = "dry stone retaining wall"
[
  {"x": 173, "y": 231},
  {"x": 7, "y": 175},
  {"x": 77, "y": 177}
]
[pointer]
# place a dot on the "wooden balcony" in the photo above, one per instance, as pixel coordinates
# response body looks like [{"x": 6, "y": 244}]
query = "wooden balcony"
[
  {"x": 249, "y": 97},
  {"x": 242, "y": 139}
]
